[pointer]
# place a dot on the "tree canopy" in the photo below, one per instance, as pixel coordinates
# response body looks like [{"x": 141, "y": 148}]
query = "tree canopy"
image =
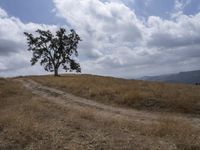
[{"x": 54, "y": 51}]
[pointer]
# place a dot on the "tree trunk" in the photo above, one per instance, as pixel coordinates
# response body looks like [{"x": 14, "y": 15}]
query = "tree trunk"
[{"x": 56, "y": 71}]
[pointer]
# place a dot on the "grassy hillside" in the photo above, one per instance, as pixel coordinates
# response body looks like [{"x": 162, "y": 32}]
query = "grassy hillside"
[
  {"x": 131, "y": 93},
  {"x": 189, "y": 77},
  {"x": 28, "y": 121}
]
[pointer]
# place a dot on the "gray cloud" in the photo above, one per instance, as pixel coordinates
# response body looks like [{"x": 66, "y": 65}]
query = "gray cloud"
[
  {"x": 115, "y": 41},
  {"x": 8, "y": 47},
  {"x": 129, "y": 45},
  {"x": 166, "y": 40},
  {"x": 168, "y": 34},
  {"x": 13, "y": 53},
  {"x": 94, "y": 54}
]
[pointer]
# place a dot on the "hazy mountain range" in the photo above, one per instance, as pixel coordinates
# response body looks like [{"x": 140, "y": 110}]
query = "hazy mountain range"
[{"x": 190, "y": 77}]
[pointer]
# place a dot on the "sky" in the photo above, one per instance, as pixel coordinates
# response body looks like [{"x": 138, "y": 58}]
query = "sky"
[{"x": 121, "y": 38}]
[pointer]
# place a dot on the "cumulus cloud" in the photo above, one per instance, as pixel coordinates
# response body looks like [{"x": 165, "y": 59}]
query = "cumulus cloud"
[
  {"x": 3, "y": 13},
  {"x": 115, "y": 41},
  {"x": 13, "y": 53},
  {"x": 184, "y": 31},
  {"x": 101, "y": 22},
  {"x": 129, "y": 45},
  {"x": 179, "y": 6}
]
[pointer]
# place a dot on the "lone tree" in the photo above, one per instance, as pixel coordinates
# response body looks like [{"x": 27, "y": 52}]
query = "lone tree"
[{"x": 54, "y": 51}]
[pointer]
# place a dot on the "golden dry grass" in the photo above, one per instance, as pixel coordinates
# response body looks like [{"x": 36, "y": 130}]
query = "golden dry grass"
[
  {"x": 34, "y": 123},
  {"x": 136, "y": 94}
]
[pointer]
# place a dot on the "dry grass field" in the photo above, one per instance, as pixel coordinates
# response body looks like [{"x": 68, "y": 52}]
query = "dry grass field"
[
  {"x": 32, "y": 122},
  {"x": 132, "y": 93}
]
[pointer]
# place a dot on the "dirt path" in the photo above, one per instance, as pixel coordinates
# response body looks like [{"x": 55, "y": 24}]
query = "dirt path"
[{"x": 65, "y": 99}]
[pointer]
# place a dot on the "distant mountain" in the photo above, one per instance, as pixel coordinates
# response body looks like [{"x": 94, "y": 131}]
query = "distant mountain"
[{"x": 190, "y": 77}]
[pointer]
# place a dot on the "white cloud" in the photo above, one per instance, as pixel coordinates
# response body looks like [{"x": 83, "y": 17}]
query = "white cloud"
[
  {"x": 101, "y": 21},
  {"x": 128, "y": 45},
  {"x": 179, "y": 6},
  {"x": 3, "y": 13},
  {"x": 115, "y": 41},
  {"x": 181, "y": 32},
  {"x": 13, "y": 53}
]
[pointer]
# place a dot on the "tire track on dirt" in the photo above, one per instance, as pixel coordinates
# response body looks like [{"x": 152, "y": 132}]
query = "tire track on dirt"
[{"x": 63, "y": 98}]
